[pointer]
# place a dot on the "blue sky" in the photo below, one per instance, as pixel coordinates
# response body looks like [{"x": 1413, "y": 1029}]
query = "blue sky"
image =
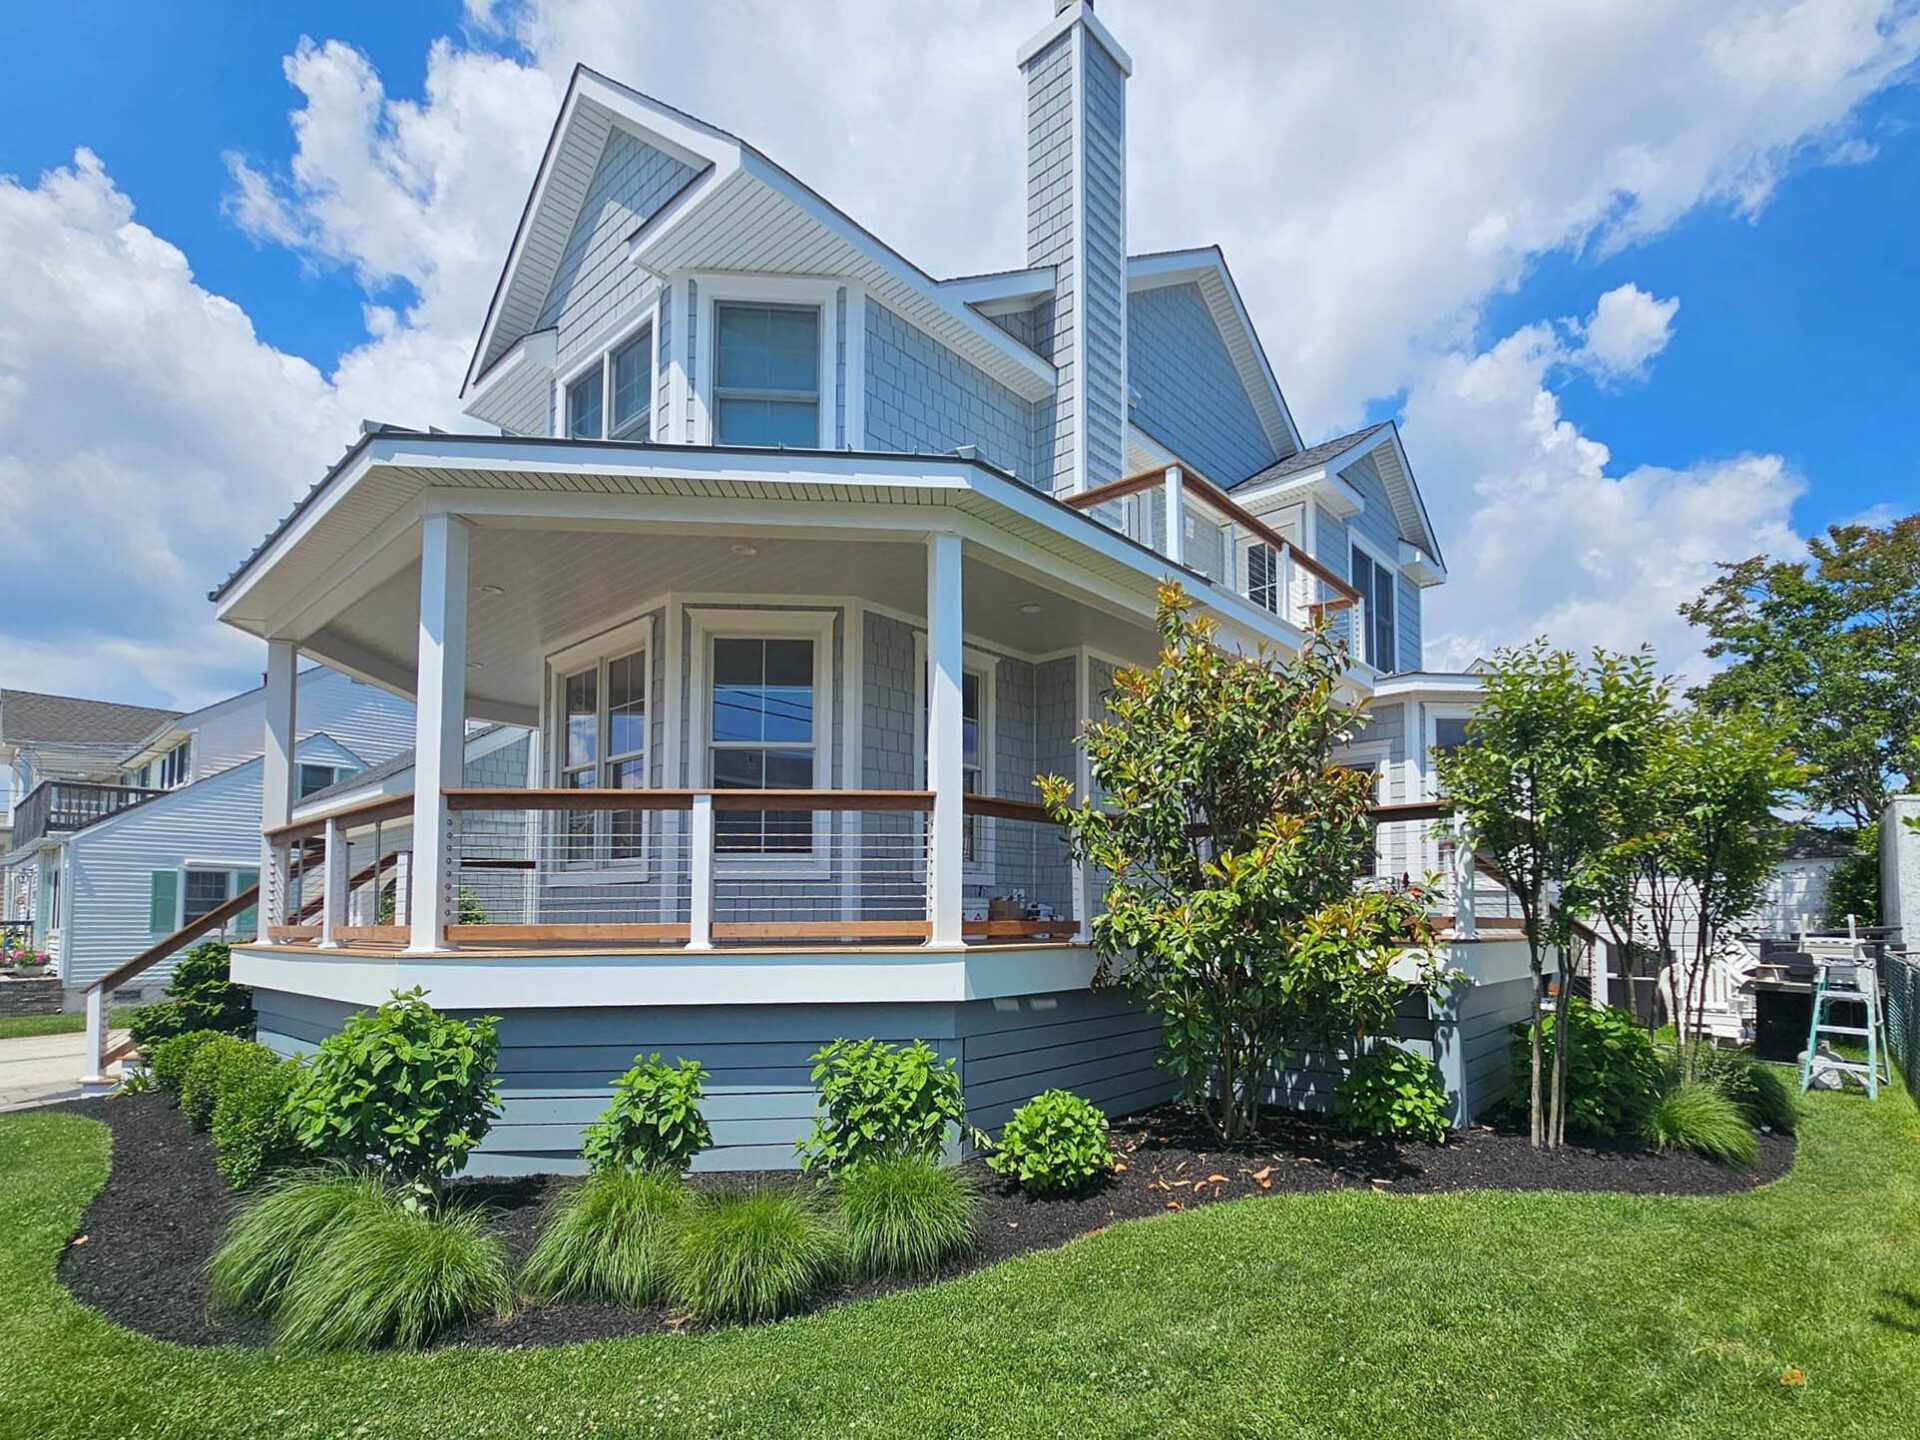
[{"x": 1438, "y": 253}]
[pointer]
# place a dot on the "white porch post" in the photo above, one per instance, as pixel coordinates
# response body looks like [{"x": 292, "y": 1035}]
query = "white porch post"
[
  {"x": 1174, "y": 494},
  {"x": 945, "y": 772},
  {"x": 276, "y": 782},
  {"x": 1465, "y": 925},
  {"x": 700, "y": 874},
  {"x": 333, "y": 896},
  {"x": 439, "y": 724}
]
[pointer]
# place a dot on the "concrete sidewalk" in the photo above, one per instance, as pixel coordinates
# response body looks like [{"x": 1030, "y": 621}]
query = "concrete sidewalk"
[{"x": 40, "y": 1069}]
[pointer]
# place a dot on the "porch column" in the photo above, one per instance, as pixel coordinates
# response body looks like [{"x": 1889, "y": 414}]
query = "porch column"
[
  {"x": 439, "y": 720},
  {"x": 333, "y": 895},
  {"x": 276, "y": 782},
  {"x": 1174, "y": 493},
  {"x": 946, "y": 837},
  {"x": 1465, "y": 923}
]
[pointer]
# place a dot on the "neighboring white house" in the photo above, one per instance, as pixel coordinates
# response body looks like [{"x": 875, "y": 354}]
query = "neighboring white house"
[
  {"x": 164, "y": 828},
  {"x": 803, "y": 565}
]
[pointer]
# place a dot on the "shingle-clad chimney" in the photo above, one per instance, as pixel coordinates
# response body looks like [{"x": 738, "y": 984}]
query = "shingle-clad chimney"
[{"x": 1076, "y": 99}]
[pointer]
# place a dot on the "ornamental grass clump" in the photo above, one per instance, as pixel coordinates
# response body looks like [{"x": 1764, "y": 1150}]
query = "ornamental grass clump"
[
  {"x": 1695, "y": 1116},
  {"x": 1054, "y": 1144},
  {"x": 1762, "y": 1092},
  {"x": 1391, "y": 1092},
  {"x": 392, "y": 1276},
  {"x": 906, "y": 1215},
  {"x": 277, "y": 1231},
  {"x": 755, "y": 1255},
  {"x": 609, "y": 1238}
]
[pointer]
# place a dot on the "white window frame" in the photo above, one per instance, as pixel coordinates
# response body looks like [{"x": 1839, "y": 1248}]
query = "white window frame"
[
  {"x": 599, "y": 355},
  {"x": 1357, "y": 541},
  {"x": 1379, "y": 754},
  {"x": 1434, "y": 713},
  {"x": 716, "y": 290},
  {"x": 632, "y": 637},
  {"x": 229, "y": 868},
  {"x": 706, "y": 625},
  {"x": 340, "y": 772},
  {"x": 985, "y": 667}
]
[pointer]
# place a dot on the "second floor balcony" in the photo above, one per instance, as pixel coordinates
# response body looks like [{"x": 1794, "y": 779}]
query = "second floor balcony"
[{"x": 55, "y": 807}]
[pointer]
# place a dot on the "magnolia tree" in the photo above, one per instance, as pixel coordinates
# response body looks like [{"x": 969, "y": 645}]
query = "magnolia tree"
[
  {"x": 1232, "y": 848},
  {"x": 1551, "y": 748}
]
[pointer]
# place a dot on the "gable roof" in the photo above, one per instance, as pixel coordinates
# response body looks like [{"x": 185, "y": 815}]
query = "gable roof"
[
  {"x": 1382, "y": 442},
  {"x": 1207, "y": 268},
  {"x": 739, "y": 211},
  {"x": 28, "y": 716}
]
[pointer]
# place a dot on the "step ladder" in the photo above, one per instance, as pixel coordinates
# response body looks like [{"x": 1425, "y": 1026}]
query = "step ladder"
[{"x": 1846, "y": 977}]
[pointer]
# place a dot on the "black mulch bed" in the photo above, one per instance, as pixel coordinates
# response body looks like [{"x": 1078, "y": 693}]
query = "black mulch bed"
[{"x": 144, "y": 1241}]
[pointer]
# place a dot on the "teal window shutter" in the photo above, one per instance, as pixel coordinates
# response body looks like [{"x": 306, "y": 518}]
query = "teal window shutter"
[
  {"x": 248, "y": 919},
  {"x": 163, "y": 901}
]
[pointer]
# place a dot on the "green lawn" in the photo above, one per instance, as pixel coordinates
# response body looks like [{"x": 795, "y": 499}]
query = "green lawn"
[
  {"x": 16, "y": 1027},
  {"x": 1331, "y": 1315}
]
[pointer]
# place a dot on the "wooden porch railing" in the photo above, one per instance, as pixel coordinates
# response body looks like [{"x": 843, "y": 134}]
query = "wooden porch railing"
[{"x": 54, "y": 807}]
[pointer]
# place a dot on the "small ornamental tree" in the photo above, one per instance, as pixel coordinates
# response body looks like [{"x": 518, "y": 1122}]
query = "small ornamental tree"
[{"x": 1232, "y": 847}]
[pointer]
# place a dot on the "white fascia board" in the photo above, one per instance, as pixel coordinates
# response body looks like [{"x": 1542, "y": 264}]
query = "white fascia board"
[
  {"x": 1428, "y": 540},
  {"x": 1420, "y": 567},
  {"x": 530, "y": 360},
  {"x": 1429, "y": 684},
  {"x": 1334, "y": 495},
  {"x": 1009, "y": 290},
  {"x": 1080, "y": 12}
]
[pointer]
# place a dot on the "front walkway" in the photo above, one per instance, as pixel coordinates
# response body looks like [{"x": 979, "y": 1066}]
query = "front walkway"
[{"x": 40, "y": 1069}]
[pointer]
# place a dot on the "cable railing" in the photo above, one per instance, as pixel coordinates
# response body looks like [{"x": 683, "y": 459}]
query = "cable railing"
[{"x": 695, "y": 868}]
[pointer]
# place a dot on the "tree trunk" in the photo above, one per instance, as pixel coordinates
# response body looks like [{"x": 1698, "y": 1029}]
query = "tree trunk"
[
  {"x": 1536, "y": 1132},
  {"x": 1562, "y": 1050}
]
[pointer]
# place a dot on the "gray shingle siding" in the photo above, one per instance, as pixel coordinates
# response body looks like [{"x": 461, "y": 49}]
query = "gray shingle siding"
[
  {"x": 921, "y": 396},
  {"x": 1191, "y": 398},
  {"x": 594, "y": 281},
  {"x": 1050, "y": 239},
  {"x": 663, "y": 373},
  {"x": 1104, "y": 270}
]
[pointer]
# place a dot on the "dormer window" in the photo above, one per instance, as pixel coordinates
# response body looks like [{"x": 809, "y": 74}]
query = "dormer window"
[
  {"x": 175, "y": 766},
  {"x": 612, "y": 398},
  {"x": 767, "y": 375}
]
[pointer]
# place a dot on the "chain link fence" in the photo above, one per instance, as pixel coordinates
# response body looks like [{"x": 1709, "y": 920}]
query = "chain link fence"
[{"x": 1900, "y": 980}]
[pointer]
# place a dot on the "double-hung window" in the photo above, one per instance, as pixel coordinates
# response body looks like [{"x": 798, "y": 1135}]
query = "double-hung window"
[
  {"x": 766, "y": 386},
  {"x": 601, "y": 744},
  {"x": 1374, "y": 581},
  {"x": 613, "y": 398},
  {"x": 975, "y": 738},
  {"x": 763, "y": 736},
  {"x": 1263, "y": 576}
]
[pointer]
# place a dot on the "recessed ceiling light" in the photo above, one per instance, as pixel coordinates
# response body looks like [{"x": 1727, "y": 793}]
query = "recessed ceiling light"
[
  {"x": 1030, "y": 608},
  {"x": 746, "y": 549},
  {"x": 493, "y": 589}
]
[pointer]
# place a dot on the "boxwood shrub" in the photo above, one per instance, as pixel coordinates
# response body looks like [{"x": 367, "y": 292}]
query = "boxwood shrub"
[
  {"x": 223, "y": 1062},
  {"x": 252, "y": 1131},
  {"x": 169, "y": 1059}
]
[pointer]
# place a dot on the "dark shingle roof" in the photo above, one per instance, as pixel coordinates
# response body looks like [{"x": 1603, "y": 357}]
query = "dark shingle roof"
[
  {"x": 1811, "y": 842},
  {"x": 27, "y": 716},
  {"x": 1309, "y": 458}
]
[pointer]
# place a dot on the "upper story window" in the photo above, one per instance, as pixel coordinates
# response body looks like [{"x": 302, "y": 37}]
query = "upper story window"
[
  {"x": 1374, "y": 580},
  {"x": 174, "y": 767},
  {"x": 315, "y": 778},
  {"x": 1263, "y": 576},
  {"x": 613, "y": 398},
  {"x": 767, "y": 374}
]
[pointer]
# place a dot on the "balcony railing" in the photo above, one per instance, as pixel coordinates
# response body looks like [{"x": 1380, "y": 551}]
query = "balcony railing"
[
  {"x": 1199, "y": 526},
  {"x": 692, "y": 868},
  {"x": 54, "y": 807}
]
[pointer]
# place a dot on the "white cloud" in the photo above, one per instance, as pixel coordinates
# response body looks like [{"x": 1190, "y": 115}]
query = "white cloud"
[
  {"x": 1376, "y": 173},
  {"x": 1627, "y": 329}
]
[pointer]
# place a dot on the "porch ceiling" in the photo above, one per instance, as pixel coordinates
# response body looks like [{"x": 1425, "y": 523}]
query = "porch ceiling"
[{"x": 534, "y": 589}]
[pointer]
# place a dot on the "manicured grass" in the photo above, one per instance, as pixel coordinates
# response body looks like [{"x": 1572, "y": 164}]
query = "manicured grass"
[
  {"x": 19, "y": 1027},
  {"x": 1786, "y": 1311}
]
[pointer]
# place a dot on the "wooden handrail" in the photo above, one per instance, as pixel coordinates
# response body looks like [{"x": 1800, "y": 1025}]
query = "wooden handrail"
[
  {"x": 185, "y": 935},
  {"x": 363, "y": 812},
  {"x": 999, "y": 809},
  {"x": 1212, "y": 495}
]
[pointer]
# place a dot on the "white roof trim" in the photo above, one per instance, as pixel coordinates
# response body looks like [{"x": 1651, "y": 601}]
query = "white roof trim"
[
  {"x": 740, "y": 212},
  {"x": 1016, "y": 289},
  {"x": 1208, "y": 269},
  {"x": 1079, "y": 12}
]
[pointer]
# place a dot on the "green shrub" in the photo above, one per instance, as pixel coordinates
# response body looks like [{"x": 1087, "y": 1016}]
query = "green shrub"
[
  {"x": 1054, "y": 1143},
  {"x": 202, "y": 997},
  {"x": 403, "y": 1088},
  {"x": 1762, "y": 1092},
  {"x": 224, "y": 1061},
  {"x": 280, "y": 1228},
  {"x": 252, "y": 1132},
  {"x": 1391, "y": 1091},
  {"x": 906, "y": 1215},
  {"x": 879, "y": 1100},
  {"x": 654, "y": 1121},
  {"x": 1695, "y": 1116},
  {"x": 392, "y": 1275},
  {"x": 609, "y": 1238},
  {"x": 754, "y": 1256},
  {"x": 1613, "y": 1074},
  {"x": 170, "y": 1058}
]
